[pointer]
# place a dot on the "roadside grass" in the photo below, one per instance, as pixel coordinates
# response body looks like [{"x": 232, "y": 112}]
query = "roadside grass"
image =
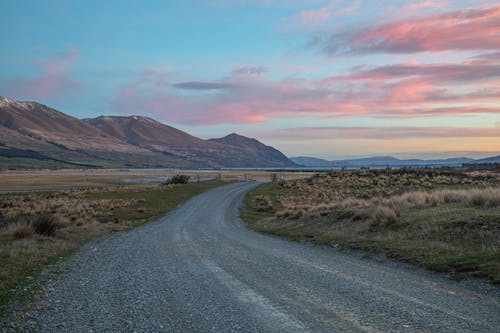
[
  {"x": 38, "y": 229},
  {"x": 444, "y": 226}
]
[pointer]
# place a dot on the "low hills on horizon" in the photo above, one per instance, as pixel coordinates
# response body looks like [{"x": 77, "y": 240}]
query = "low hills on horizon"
[
  {"x": 390, "y": 161},
  {"x": 33, "y": 135}
]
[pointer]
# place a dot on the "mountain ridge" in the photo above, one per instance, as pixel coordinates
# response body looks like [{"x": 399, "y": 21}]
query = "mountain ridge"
[{"x": 31, "y": 132}]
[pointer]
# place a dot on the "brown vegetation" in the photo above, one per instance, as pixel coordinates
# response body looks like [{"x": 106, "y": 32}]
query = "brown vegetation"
[
  {"x": 444, "y": 219},
  {"x": 38, "y": 228}
]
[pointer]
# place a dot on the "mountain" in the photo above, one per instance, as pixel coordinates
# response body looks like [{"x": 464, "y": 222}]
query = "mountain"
[
  {"x": 264, "y": 155},
  {"x": 231, "y": 151},
  {"x": 493, "y": 159},
  {"x": 311, "y": 161},
  {"x": 32, "y": 134},
  {"x": 379, "y": 161}
]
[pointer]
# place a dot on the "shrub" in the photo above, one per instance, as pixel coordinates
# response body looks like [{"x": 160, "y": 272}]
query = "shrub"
[
  {"x": 263, "y": 204},
  {"x": 177, "y": 179},
  {"x": 45, "y": 224}
]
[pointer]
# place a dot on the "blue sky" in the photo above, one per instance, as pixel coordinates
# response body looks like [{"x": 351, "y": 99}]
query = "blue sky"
[{"x": 326, "y": 78}]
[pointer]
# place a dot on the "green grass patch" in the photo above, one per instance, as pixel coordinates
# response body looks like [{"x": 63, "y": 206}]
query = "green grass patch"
[{"x": 152, "y": 203}]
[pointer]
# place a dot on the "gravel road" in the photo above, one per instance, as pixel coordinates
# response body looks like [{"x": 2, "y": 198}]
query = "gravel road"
[{"x": 198, "y": 269}]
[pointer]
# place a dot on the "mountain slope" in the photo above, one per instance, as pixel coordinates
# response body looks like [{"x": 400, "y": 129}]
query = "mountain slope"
[
  {"x": 42, "y": 136},
  {"x": 144, "y": 132},
  {"x": 46, "y": 124},
  {"x": 253, "y": 147},
  {"x": 57, "y": 136},
  {"x": 225, "y": 152}
]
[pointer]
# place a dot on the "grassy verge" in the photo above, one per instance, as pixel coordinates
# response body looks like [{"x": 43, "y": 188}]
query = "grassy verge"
[
  {"x": 38, "y": 229},
  {"x": 443, "y": 224}
]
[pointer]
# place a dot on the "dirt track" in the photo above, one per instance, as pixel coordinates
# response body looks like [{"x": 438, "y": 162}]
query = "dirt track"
[{"x": 199, "y": 269}]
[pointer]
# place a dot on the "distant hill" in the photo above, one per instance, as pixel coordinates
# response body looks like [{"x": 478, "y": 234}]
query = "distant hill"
[
  {"x": 493, "y": 159},
  {"x": 35, "y": 135},
  {"x": 311, "y": 161},
  {"x": 379, "y": 161},
  {"x": 264, "y": 155}
]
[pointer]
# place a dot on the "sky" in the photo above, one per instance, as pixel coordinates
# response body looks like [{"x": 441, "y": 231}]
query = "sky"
[{"x": 331, "y": 79}]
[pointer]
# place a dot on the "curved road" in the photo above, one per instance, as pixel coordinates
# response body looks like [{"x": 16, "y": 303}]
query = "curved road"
[{"x": 199, "y": 269}]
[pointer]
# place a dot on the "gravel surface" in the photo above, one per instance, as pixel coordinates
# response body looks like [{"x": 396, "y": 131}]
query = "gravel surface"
[{"x": 199, "y": 269}]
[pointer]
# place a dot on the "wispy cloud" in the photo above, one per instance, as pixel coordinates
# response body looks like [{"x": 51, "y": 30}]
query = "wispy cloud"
[
  {"x": 250, "y": 70},
  {"x": 389, "y": 133},
  {"x": 335, "y": 8},
  {"x": 200, "y": 85},
  {"x": 459, "y": 30},
  {"x": 55, "y": 80}
]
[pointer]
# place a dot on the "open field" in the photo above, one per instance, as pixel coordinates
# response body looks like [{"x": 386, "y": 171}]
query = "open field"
[
  {"x": 37, "y": 229},
  {"x": 445, "y": 220},
  {"x": 49, "y": 180}
]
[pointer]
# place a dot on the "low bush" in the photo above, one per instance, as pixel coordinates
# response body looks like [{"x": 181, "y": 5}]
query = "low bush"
[
  {"x": 177, "y": 179},
  {"x": 263, "y": 204},
  {"x": 45, "y": 224}
]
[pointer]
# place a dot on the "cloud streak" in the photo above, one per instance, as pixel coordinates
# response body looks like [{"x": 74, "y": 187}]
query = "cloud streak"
[
  {"x": 55, "y": 80},
  {"x": 251, "y": 70},
  {"x": 199, "y": 85},
  {"x": 389, "y": 133},
  {"x": 459, "y": 30}
]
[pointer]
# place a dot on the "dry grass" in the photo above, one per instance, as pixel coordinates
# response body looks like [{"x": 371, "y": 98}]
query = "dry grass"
[
  {"x": 21, "y": 230},
  {"x": 38, "y": 228},
  {"x": 443, "y": 219}
]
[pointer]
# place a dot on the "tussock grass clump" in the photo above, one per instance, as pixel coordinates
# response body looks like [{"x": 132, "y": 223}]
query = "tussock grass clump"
[
  {"x": 385, "y": 215},
  {"x": 263, "y": 203},
  {"x": 46, "y": 224},
  {"x": 485, "y": 197},
  {"x": 21, "y": 230}
]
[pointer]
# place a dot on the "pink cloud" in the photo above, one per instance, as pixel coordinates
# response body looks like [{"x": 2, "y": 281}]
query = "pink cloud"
[
  {"x": 55, "y": 80},
  {"x": 314, "y": 17},
  {"x": 406, "y": 90},
  {"x": 386, "y": 132},
  {"x": 467, "y": 29},
  {"x": 423, "y": 4}
]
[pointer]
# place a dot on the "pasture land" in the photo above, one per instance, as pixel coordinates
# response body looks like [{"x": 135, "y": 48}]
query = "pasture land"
[{"x": 50, "y": 180}]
